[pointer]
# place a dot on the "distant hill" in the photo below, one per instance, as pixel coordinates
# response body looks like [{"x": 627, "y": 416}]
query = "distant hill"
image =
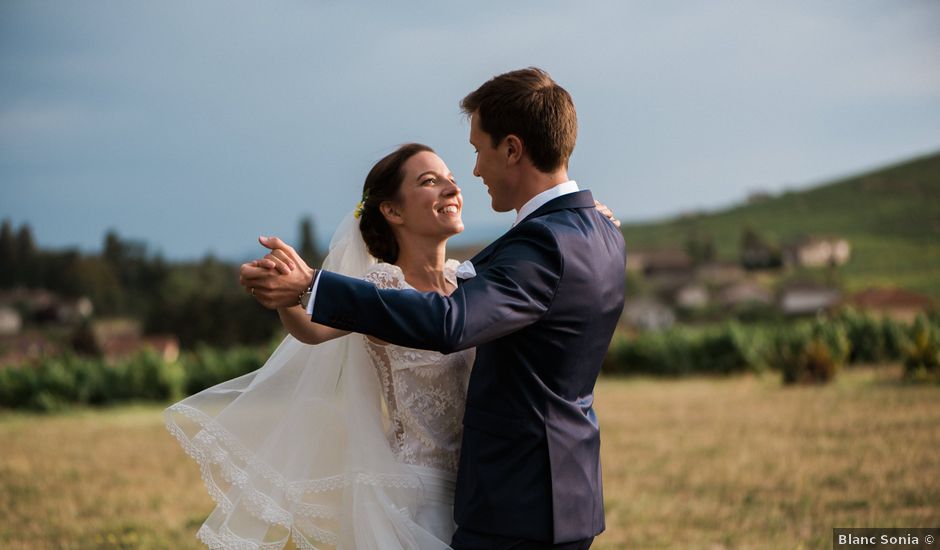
[{"x": 891, "y": 216}]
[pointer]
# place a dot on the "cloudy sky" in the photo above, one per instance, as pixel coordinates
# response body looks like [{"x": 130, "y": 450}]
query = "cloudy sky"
[{"x": 198, "y": 125}]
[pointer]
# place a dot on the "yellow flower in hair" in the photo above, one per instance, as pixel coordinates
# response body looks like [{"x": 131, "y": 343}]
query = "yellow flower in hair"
[{"x": 362, "y": 205}]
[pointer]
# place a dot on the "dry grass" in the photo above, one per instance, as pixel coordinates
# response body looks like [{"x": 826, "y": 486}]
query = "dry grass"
[
  {"x": 97, "y": 479},
  {"x": 699, "y": 463},
  {"x": 747, "y": 463}
]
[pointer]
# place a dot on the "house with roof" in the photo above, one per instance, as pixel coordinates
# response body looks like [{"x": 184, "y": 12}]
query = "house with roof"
[
  {"x": 666, "y": 270},
  {"x": 743, "y": 293},
  {"x": 811, "y": 251},
  {"x": 807, "y": 298},
  {"x": 894, "y": 303},
  {"x": 646, "y": 312}
]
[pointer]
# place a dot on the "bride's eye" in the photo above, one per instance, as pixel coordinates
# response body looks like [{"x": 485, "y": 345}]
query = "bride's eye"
[{"x": 429, "y": 181}]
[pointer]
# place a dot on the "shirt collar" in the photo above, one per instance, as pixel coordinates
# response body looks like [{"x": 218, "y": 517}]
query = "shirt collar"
[{"x": 537, "y": 201}]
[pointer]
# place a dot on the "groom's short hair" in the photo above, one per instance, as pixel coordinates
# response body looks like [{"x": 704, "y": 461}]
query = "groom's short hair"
[{"x": 530, "y": 105}]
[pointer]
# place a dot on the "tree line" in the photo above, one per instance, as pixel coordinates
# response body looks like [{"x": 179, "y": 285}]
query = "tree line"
[{"x": 198, "y": 301}]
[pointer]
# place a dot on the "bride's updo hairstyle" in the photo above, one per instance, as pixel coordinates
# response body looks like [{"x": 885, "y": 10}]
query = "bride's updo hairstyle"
[{"x": 381, "y": 185}]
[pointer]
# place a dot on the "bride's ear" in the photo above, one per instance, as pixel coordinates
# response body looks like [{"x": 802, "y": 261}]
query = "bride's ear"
[{"x": 392, "y": 213}]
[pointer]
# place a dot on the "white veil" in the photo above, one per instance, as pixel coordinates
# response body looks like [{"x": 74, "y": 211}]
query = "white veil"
[{"x": 297, "y": 449}]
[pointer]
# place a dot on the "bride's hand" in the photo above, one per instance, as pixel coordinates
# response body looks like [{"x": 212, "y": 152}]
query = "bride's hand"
[
  {"x": 279, "y": 278},
  {"x": 283, "y": 257},
  {"x": 277, "y": 260},
  {"x": 602, "y": 208}
]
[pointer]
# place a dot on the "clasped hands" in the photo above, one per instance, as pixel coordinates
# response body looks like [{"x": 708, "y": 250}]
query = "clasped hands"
[{"x": 278, "y": 279}]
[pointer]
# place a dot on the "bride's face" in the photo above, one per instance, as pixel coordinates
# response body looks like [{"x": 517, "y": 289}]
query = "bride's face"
[{"x": 430, "y": 202}]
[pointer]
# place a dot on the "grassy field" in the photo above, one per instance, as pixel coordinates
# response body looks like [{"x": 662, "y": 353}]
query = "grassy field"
[{"x": 694, "y": 463}]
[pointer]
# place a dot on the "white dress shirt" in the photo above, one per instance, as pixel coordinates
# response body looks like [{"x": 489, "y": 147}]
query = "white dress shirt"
[
  {"x": 313, "y": 293},
  {"x": 537, "y": 201}
]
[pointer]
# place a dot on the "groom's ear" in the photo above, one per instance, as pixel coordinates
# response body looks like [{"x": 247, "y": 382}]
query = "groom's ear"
[
  {"x": 392, "y": 213},
  {"x": 513, "y": 148}
]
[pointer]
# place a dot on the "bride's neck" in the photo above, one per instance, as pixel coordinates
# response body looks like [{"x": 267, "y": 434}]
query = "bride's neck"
[{"x": 423, "y": 264}]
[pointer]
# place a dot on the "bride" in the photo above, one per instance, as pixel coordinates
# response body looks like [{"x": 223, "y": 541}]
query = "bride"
[{"x": 351, "y": 443}]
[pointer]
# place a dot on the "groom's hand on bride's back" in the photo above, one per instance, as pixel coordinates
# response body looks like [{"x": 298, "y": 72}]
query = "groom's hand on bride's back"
[{"x": 278, "y": 279}]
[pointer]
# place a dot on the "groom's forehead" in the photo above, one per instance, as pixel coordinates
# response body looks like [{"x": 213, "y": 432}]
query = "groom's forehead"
[
  {"x": 476, "y": 133},
  {"x": 475, "y": 123}
]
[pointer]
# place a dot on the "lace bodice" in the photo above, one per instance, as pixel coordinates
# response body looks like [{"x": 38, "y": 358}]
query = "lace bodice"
[{"x": 424, "y": 391}]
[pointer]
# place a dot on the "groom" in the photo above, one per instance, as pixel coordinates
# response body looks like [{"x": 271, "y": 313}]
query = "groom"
[{"x": 540, "y": 310}]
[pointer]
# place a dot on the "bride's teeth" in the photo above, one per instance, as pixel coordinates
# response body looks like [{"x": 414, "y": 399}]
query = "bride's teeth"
[{"x": 449, "y": 210}]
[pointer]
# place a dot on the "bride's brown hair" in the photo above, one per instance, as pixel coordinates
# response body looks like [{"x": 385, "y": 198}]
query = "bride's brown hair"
[{"x": 381, "y": 185}]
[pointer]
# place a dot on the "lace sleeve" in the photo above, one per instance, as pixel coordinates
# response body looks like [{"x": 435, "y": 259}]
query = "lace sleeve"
[{"x": 385, "y": 275}]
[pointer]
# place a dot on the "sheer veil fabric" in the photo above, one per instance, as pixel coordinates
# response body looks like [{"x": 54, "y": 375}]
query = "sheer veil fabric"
[{"x": 297, "y": 449}]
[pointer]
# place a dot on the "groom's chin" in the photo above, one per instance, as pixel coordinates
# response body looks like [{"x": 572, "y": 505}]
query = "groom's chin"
[{"x": 500, "y": 208}]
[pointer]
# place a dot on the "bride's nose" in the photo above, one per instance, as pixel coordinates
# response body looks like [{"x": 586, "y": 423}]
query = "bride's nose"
[{"x": 451, "y": 190}]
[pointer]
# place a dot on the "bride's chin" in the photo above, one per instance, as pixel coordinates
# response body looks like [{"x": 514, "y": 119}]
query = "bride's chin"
[{"x": 451, "y": 229}]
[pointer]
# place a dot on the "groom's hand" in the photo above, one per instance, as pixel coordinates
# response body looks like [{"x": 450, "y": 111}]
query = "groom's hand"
[{"x": 279, "y": 278}]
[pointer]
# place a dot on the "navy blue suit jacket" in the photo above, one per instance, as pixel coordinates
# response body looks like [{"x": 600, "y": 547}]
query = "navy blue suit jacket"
[{"x": 541, "y": 312}]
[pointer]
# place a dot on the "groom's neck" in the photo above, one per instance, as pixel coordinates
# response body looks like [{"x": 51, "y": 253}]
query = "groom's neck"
[{"x": 536, "y": 182}]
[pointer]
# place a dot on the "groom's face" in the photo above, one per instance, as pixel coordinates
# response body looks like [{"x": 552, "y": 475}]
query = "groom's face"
[{"x": 490, "y": 166}]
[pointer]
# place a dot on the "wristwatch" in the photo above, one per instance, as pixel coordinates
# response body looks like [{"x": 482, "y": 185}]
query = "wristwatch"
[{"x": 304, "y": 299}]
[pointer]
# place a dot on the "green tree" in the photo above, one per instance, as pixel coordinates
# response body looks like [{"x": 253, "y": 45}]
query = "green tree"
[
  {"x": 113, "y": 250},
  {"x": 96, "y": 279},
  {"x": 203, "y": 303},
  {"x": 701, "y": 248},
  {"x": 128, "y": 259},
  {"x": 25, "y": 266},
  {"x": 756, "y": 253},
  {"x": 308, "y": 243},
  {"x": 7, "y": 254},
  {"x": 57, "y": 271}
]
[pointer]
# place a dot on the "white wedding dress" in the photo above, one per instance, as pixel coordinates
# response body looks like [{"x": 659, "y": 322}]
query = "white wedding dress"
[
  {"x": 350, "y": 444},
  {"x": 424, "y": 393}
]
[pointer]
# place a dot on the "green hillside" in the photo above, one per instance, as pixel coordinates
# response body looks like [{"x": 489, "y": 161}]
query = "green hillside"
[{"x": 891, "y": 217}]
